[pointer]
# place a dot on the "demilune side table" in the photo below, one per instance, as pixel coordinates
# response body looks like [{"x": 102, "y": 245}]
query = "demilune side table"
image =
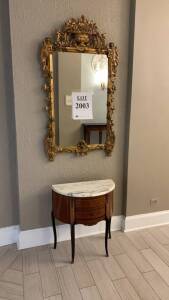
[{"x": 86, "y": 203}]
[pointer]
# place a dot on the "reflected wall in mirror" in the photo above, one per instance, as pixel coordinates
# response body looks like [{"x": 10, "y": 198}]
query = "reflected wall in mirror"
[{"x": 80, "y": 71}]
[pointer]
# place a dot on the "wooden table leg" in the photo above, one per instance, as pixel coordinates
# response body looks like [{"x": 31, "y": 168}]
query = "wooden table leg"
[
  {"x": 110, "y": 229},
  {"x": 84, "y": 133},
  {"x": 54, "y": 229},
  {"x": 100, "y": 137},
  {"x": 106, "y": 237},
  {"x": 73, "y": 241},
  {"x": 87, "y": 137}
]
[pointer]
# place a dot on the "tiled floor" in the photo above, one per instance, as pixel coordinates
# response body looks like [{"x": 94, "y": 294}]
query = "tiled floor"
[{"x": 137, "y": 268}]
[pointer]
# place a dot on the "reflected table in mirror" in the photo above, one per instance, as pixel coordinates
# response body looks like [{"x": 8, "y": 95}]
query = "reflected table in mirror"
[
  {"x": 86, "y": 203},
  {"x": 69, "y": 114},
  {"x": 89, "y": 127}
]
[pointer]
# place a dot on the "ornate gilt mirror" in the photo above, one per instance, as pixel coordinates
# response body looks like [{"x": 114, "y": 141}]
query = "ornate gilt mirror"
[{"x": 79, "y": 70}]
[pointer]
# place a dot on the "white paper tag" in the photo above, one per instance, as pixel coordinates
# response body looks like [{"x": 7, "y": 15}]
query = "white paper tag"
[{"x": 82, "y": 106}]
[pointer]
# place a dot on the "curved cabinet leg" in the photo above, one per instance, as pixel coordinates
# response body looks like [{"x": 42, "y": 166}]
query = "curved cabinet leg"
[
  {"x": 73, "y": 241},
  {"x": 54, "y": 229},
  {"x": 110, "y": 229},
  {"x": 106, "y": 237}
]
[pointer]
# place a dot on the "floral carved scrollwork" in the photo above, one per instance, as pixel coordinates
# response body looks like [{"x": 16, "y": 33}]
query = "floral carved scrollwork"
[
  {"x": 46, "y": 63},
  {"x": 113, "y": 61},
  {"x": 82, "y": 36}
]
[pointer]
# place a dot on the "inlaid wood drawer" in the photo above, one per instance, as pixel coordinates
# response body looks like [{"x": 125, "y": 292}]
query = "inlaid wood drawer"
[{"x": 89, "y": 211}]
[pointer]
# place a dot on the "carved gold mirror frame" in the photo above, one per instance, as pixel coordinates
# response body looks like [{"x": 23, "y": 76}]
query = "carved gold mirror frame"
[{"x": 80, "y": 36}]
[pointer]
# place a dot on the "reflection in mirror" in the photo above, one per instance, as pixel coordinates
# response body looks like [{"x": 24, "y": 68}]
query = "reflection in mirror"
[{"x": 76, "y": 73}]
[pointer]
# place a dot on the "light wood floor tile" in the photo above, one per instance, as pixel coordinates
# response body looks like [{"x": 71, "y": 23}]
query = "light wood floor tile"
[
  {"x": 136, "y": 278},
  {"x": 90, "y": 293},
  {"x": 137, "y": 268},
  {"x": 30, "y": 262},
  {"x": 18, "y": 262},
  {"x": 165, "y": 230},
  {"x": 157, "y": 264},
  {"x": 141, "y": 263},
  {"x": 98, "y": 243},
  {"x": 159, "y": 235},
  {"x": 125, "y": 290},
  {"x": 112, "y": 268},
  {"x": 32, "y": 287},
  {"x": 156, "y": 247},
  {"x": 57, "y": 297},
  {"x": 7, "y": 259},
  {"x": 114, "y": 246},
  {"x": 50, "y": 284},
  {"x": 102, "y": 281},
  {"x": 61, "y": 256},
  {"x": 11, "y": 291},
  {"x": 158, "y": 284},
  {"x": 3, "y": 249},
  {"x": 82, "y": 274},
  {"x": 167, "y": 247},
  {"x": 69, "y": 287},
  {"x": 12, "y": 276},
  {"x": 88, "y": 249},
  {"x": 44, "y": 247},
  {"x": 65, "y": 253},
  {"x": 137, "y": 240}
]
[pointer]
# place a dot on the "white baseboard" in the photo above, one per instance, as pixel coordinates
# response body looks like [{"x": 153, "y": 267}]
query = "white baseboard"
[
  {"x": 9, "y": 235},
  {"x": 43, "y": 236},
  {"x": 142, "y": 221}
]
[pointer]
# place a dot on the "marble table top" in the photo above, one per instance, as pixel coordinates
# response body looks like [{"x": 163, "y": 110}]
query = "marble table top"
[{"x": 85, "y": 188}]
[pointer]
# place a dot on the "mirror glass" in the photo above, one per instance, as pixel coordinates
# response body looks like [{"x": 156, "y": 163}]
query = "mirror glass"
[{"x": 80, "y": 88}]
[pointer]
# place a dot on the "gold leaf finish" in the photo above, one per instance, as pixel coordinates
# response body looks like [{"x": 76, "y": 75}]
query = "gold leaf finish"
[{"x": 79, "y": 36}]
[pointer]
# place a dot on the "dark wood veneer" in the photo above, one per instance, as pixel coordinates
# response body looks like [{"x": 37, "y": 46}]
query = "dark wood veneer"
[{"x": 82, "y": 210}]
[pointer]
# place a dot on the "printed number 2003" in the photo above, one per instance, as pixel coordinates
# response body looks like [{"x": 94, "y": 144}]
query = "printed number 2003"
[{"x": 82, "y": 105}]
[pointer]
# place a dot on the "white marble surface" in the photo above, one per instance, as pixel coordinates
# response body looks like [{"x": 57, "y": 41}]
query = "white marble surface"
[{"x": 85, "y": 188}]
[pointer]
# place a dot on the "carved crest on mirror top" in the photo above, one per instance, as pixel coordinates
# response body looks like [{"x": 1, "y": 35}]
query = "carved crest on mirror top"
[{"x": 78, "y": 36}]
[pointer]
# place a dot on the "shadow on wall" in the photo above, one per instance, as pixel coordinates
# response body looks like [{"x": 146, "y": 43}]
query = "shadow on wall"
[
  {"x": 129, "y": 90},
  {"x": 8, "y": 162}
]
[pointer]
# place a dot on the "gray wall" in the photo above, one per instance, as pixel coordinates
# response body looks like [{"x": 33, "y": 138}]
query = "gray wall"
[
  {"x": 30, "y": 179},
  {"x": 148, "y": 161},
  {"x": 8, "y": 174},
  {"x": 30, "y": 22}
]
